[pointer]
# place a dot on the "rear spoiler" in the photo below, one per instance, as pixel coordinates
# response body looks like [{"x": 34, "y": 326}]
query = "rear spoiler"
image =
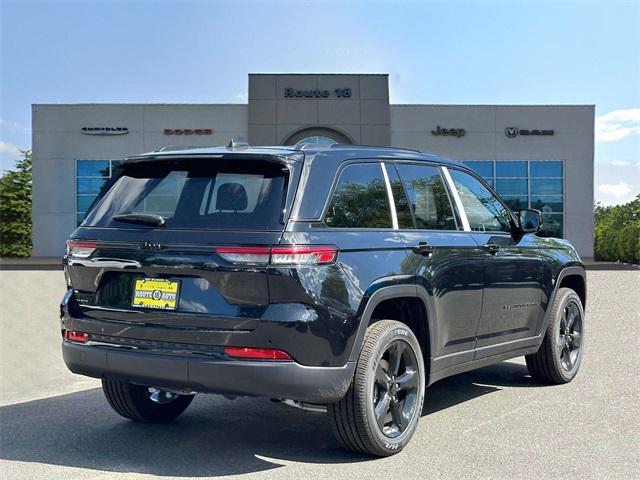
[{"x": 294, "y": 157}]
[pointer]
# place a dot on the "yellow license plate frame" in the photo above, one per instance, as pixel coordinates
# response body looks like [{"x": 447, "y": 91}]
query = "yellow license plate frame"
[{"x": 157, "y": 293}]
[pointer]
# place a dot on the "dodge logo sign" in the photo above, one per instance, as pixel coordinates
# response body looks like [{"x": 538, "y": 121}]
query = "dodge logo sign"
[
  {"x": 105, "y": 131},
  {"x": 513, "y": 132},
  {"x": 188, "y": 131}
]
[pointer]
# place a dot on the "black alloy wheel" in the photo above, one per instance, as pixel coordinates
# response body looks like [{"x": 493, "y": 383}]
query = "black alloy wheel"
[
  {"x": 558, "y": 359},
  {"x": 379, "y": 413},
  {"x": 395, "y": 389},
  {"x": 570, "y": 335}
]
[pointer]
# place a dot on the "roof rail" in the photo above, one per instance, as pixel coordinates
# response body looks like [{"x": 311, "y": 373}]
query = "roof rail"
[{"x": 346, "y": 145}]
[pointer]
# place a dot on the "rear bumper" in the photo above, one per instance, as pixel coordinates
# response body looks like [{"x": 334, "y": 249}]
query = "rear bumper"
[{"x": 288, "y": 380}]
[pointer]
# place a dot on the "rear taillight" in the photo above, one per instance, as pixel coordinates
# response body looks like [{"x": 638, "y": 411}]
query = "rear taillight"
[
  {"x": 246, "y": 255},
  {"x": 303, "y": 255},
  {"x": 80, "y": 249},
  {"x": 73, "y": 336},
  {"x": 248, "y": 353},
  {"x": 280, "y": 255}
]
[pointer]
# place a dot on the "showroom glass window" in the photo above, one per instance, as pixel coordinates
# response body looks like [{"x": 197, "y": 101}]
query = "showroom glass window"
[
  {"x": 528, "y": 184},
  {"x": 91, "y": 176},
  {"x": 315, "y": 141},
  {"x": 360, "y": 199}
]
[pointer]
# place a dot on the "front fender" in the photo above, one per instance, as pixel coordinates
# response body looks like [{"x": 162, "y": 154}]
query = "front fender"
[{"x": 578, "y": 270}]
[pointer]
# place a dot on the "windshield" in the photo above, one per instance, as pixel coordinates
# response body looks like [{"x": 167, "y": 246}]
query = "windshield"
[{"x": 198, "y": 194}]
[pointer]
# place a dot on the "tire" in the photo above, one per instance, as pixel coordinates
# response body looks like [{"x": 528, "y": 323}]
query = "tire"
[
  {"x": 135, "y": 402},
  {"x": 354, "y": 419},
  {"x": 559, "y": 357}
]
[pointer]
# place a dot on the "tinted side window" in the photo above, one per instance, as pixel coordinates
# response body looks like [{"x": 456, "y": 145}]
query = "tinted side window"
[
  {"x": 428, "y": 197},
  {"x": 360, "y": 199},
  {"x": 484, "y": 211},
  {"x": 403, "y": 211}
]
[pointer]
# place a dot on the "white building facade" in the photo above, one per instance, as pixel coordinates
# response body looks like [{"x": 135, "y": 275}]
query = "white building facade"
[{"x": 535, "y": 156}]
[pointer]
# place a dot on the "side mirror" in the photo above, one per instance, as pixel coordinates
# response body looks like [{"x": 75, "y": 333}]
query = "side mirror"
[{"x": 530, "y": 220}]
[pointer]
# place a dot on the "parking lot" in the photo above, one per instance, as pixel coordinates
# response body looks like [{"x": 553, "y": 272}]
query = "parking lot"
[{"x": 491, "y": 423}]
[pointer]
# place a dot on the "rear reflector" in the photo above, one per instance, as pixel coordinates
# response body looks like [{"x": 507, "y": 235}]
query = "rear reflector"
[
  {"x": 280, "y": 255},
  {"x": 74, "y": 336},
  {"x": 80, "y": 249},
  {"x": 257, "y": 353}
]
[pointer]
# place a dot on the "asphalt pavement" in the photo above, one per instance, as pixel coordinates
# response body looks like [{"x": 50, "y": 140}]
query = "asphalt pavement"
[{"x": 494, "y": 423}]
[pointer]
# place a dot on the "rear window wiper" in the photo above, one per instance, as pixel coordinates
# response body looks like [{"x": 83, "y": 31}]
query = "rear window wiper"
[{"x": 144, "y": 218}]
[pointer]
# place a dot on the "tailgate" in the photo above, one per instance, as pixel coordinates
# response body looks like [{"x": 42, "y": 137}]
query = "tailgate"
[
  {"x": 147, "y": 250},
  {"x": 205, "y": 284}
]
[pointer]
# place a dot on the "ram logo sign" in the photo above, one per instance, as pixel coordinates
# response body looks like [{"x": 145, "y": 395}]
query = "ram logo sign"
[{"x": 513, "y": 132}]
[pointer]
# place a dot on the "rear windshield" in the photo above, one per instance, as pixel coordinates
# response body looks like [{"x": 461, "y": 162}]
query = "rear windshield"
[{"x": 198, "y": 194}]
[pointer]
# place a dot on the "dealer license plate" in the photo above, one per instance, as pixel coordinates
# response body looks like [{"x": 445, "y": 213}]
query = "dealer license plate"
[{"x": 156, "y": 293}]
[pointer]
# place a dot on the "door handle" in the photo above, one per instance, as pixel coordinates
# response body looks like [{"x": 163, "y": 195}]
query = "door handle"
[
  {"x": 422, "y": 248},
  {"x": 491, "y": 247}
]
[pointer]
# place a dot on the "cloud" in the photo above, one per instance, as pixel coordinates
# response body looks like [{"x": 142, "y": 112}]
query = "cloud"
[
  {"x": 9, "y": 148},
  {"x": 344, "y": 51},
  {"x": 617, "y": 190},
  {"x": 621, "y": 163},
  {"x": 618, "y": 124},
  {"x": 241, "y": 97},
  {"x": 13, "y": 126}
]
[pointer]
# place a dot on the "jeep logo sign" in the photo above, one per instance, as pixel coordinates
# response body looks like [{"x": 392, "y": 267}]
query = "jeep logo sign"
[
  {"x": 316, "y": 93},
  {"x": 452, "y": 132},
  {"x": 513, "y": 132}
]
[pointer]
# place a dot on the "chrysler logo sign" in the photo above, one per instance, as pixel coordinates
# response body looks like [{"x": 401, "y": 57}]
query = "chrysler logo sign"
[
  {"x": 105, "y": 131},
  {"x": 513, "y": 132}
]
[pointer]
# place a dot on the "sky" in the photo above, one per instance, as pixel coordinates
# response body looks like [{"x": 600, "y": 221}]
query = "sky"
[{"x": 474, "y": 52}]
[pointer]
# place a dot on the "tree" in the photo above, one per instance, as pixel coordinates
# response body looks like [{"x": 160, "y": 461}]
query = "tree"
[
  {"x": 617, "y": 232},
  {"x": 15, "y": 209}
]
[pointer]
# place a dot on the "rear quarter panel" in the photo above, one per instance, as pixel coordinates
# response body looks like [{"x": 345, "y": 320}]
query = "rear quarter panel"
[{"x": 368, "y": 260}]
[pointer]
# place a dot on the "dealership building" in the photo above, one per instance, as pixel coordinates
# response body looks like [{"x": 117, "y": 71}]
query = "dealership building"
[{"x": 537, "y": 156}]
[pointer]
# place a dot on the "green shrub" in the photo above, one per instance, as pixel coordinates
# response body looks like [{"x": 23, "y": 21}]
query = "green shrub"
[
  {"x": 617, "y": 232},
  {"x": 15, "y": 209}
]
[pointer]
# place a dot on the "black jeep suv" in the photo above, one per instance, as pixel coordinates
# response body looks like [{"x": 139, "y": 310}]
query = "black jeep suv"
[{"x": 344, "y": 278}]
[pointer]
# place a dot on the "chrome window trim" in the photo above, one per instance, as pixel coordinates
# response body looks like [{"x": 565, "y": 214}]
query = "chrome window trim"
[
  {"x": 456, "y": 198},
  {"x": 392, "y": 203}
]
